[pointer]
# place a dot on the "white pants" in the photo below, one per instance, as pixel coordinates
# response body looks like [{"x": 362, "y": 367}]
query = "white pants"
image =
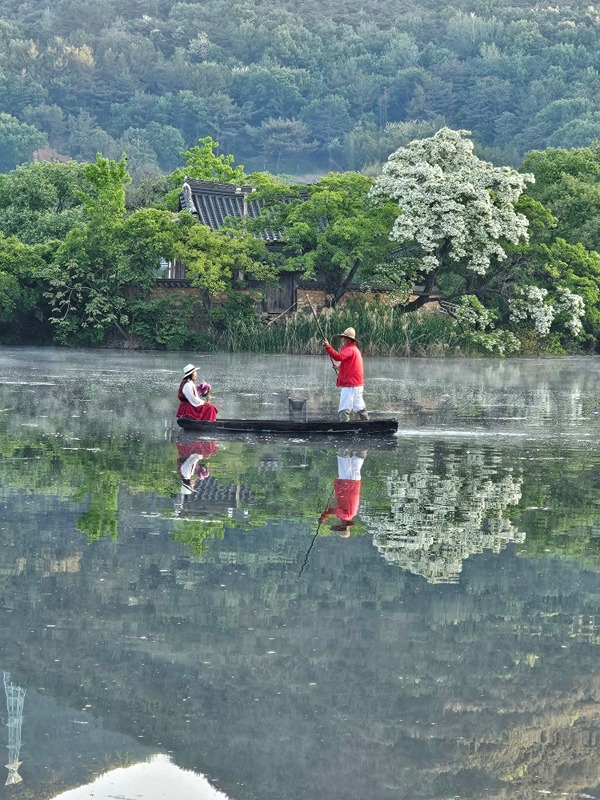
[
  {"x": 351, "y": 399},
  {"x": 349, "y": 467}
]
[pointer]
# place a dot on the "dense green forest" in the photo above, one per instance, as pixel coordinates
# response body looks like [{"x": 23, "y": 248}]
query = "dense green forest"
[
  {"x": 510, "y": 256},
  {"x": 299, "y": 87},
  {"x": 136, "y": 96}
]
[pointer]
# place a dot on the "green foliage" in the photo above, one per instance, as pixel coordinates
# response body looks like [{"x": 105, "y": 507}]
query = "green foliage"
[
  {"x": 146, "y": 236},
  {"x": 165, "y": 322},
  {"x": 337, "y": 233},
  {"x": 279, "y": 138},
  {"x": 198, "y": 535},
  {"x": 203, "y": 163},
  {"x": 17, "y": 141},
  {"x": 568, "y": 183},
  {"x": 40, "y": 202},
  {"x": 105, "y": 199},
  {"x": 211, "y": 259},
  {"x": 237, "y": 313},
  {"x": 85, "y": 287},
  {"x": 93, "y": 265},
  {"x": 21, "y": 268},
  {"x": 101, "y": 520},
  {"x": 270, "y": 85}
]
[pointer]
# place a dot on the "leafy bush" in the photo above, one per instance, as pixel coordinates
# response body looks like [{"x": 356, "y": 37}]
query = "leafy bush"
[{"x": 166, "y": 322}]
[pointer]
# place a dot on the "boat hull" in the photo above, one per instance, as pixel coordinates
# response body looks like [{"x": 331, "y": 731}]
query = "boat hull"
[{"x": 377, "y": 427}]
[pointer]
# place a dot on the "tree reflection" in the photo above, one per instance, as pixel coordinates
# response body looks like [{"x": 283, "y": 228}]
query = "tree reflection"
[{"x": 447, "y": 509}]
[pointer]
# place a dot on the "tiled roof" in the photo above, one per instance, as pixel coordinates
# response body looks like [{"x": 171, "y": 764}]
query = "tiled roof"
[{"x": 211, "y": 202}]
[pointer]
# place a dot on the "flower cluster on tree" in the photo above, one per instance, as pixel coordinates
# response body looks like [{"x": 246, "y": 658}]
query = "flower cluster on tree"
[
  {"x": 456, "y": 207},
  {"x": 467, "y": 222},
  {"x": 533, "y": 303}
]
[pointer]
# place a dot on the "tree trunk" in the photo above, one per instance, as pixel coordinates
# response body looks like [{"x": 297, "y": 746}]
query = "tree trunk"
[
  {"x": 420, "y": 301},
  {"x": 341, "y": 287}
]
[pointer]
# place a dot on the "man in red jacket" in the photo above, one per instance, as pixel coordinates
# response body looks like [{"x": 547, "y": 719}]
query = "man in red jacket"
[{"x": 350, "y": 377}]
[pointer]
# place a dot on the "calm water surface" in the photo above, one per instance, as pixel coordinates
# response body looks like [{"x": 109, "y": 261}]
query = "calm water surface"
[{"x": 234, "y": 638}]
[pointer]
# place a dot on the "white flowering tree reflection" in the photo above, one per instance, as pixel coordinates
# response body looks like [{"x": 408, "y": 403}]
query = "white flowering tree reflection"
[
  {"x": 463, "y": 228},
  {"x": 440, "y": 514}
]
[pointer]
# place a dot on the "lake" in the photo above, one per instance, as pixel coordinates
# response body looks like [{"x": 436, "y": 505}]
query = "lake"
[{"x": 276, "y": 618}]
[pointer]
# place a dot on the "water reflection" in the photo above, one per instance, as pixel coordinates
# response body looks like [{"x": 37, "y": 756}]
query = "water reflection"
[
  {"x": 15, "y": 698},
  {"x": 189, "y": 455},
  {"x": 346, "y": 490},
  {"x": 457, "y": 657},
  {"x": 451, "y": 505},
  {"x": 200, "y": 491},
  {"x": 155, "y": 779}
]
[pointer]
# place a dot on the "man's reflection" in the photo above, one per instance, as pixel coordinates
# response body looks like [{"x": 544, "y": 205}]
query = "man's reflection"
[{"x": 346, "y": 490}]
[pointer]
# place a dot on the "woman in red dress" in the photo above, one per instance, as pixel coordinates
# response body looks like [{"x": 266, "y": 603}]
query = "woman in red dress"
[{"x": 192, "y": 403}]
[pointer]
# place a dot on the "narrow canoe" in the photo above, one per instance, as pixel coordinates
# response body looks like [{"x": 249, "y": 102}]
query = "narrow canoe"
[{"x": 320, "y": 426}]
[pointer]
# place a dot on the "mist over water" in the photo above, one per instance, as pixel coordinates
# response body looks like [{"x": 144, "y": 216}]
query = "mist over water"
[{"x": 252, "y": 638}]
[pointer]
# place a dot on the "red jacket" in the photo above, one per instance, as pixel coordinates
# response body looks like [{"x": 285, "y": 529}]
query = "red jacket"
[
  {"x": 347, "y": 495},
  {"x": 351, "y": 365}
]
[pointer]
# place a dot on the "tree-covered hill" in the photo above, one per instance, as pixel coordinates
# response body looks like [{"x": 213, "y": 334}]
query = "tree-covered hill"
[{"x": 301, "y": 86}]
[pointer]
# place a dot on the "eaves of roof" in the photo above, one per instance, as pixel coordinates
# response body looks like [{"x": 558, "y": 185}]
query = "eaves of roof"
[{"x": 212, "y": 202}]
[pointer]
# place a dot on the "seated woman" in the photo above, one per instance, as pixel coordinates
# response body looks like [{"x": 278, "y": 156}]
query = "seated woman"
[{"x": 192, "y": 404}]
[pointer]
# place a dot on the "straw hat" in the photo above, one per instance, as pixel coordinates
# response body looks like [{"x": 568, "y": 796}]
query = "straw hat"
[
  {"x": 188, "y": 369},
  {"x": 349, "y": 333}
]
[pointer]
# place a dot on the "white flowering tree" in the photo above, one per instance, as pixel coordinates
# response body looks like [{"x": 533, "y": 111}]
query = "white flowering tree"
[
  {"x": 465, "y": 224},
  {"x": 458, "y": 209}
]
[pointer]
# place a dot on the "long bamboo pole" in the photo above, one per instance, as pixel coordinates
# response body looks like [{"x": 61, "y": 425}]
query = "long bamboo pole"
[{"x": 333, "y": 366}]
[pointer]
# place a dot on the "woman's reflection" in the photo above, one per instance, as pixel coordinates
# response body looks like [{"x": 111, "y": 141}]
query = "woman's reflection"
[
  {"x": 346, "y": 490},
  {"x": 189, "y": 458}
]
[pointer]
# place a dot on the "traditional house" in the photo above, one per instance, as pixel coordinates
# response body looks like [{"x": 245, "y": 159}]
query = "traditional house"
[{"x": 211, "y": 202}]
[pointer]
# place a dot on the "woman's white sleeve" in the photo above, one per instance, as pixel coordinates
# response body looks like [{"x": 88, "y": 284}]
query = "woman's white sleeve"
[
  {"x": 191, "y": 395},
  {"x": 189, "y": 465}
]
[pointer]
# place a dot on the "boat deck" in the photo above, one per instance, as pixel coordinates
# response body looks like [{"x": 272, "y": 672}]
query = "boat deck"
[{"x": 318, "y": 426}]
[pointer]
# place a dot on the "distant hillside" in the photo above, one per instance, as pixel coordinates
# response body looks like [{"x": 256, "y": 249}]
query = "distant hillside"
[{"x": 293, "y": 85}]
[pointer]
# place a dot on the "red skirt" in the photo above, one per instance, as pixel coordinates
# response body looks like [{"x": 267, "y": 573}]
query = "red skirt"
[
  {"x": 207, "y": 412},
  {"x": 203, "y": 447}
]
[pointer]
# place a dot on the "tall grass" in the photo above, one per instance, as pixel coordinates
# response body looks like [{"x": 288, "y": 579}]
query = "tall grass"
[{"x": 383, "y": 331}]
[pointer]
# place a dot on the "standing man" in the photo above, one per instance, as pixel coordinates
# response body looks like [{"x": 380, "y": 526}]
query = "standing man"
[{"x": 350, "y": 377}]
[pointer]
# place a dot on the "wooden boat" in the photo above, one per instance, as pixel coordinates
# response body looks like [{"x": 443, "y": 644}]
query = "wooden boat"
[{"x": 376, "y": 427}]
